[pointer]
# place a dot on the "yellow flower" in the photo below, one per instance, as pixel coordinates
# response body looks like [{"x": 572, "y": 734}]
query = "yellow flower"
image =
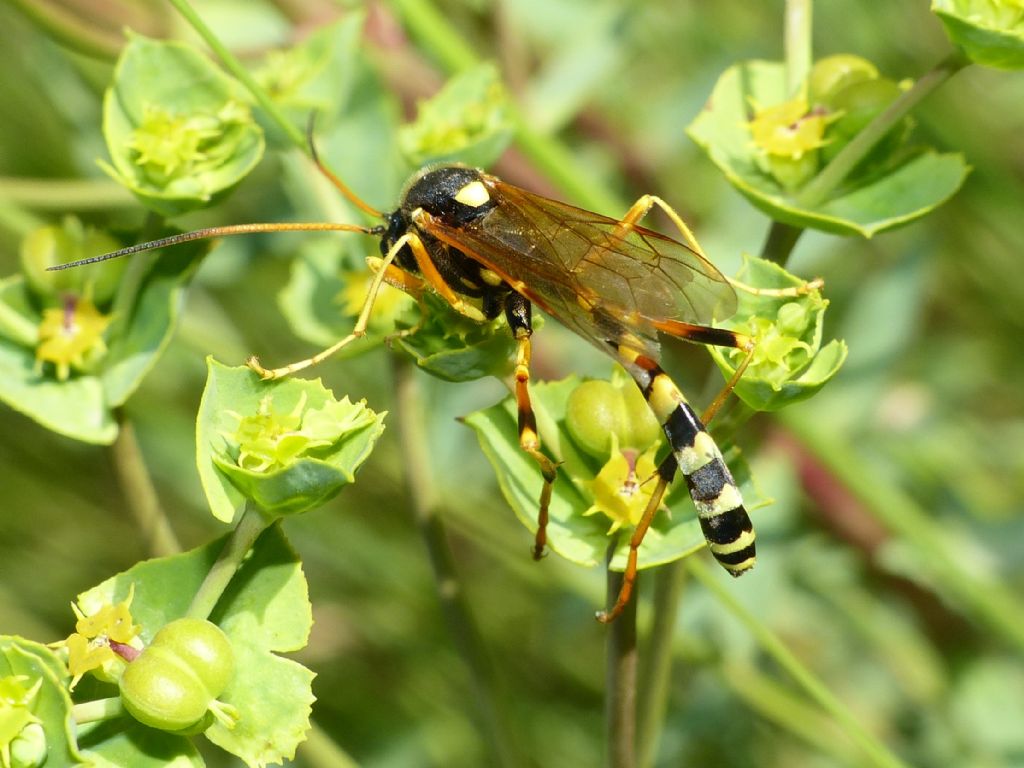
[
  {"x": 788, "y": 129},
  {"x": 89, "y": 646},
  {"x": 621, "y": 489},
  {"x": 71, "y": 336}
]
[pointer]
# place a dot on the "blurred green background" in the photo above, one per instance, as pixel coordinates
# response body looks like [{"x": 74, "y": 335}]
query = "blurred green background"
[{"x": 924, "y": 423}]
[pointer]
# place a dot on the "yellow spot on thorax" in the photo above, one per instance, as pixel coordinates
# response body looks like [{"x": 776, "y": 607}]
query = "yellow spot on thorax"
[{"x": 473, "y": 194}]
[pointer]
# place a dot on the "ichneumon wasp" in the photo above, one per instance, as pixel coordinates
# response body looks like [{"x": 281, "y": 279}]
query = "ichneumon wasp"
[{"x": 490, "y": 248}]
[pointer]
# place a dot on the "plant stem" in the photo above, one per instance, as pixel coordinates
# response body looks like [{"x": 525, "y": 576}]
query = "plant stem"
[
  {"x": 100, "y": 709},
  {"x": 657, "y": 671},
  {"x": 877, "y": 753},
  {"x": 780, "y": 242},
  {"x": 139, "y": 492},
  {"x": 798, "y": 43},
  {"x": 548, "y": 154},
  {"x": 65, "y": 194},
  {"x": 240, "y": 541},
  {"x": 437, "y": 35},
  {"x": 997, "y": 607},
  {"x": 236, "y": 68},
  {"x": 68, "y": 30},
  {"x": 621, "y": 674},
  {"x": 320, "y": 751},
  {"x": 849, "y": 156},
  {"x": 416, "y": 458}
]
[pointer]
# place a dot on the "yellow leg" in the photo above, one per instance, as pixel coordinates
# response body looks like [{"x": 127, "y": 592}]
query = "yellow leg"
[
  {"x": 781, "y": 293},
  {"x": 529, "y": 440},
  {"x": 629, "y": 575},
  {"x": 433, "y": 278},
  {"x": 357, "y": 332}
]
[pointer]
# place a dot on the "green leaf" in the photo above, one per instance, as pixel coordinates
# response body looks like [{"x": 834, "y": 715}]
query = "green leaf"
[
  {"x": 467, "y": 121},
  {"x": 303, "y": 481},
  {"x": 75, "y": 408},
  {"x": 145, "y": 321},
  {"x": 122, "y": 742},
  {"x": 264, "y": 611},
  {"x": 907, "y": 190},
  {"x": 179, "y": 131},
  {"x": 989, "y": 32},
  {"x": 143, "y": 312},
  {"x": 789, "y": 364},
  {"x": 50, "y": 706},
  {"x": 580, "y": 539},
  {"x": 455, "y": 348}
]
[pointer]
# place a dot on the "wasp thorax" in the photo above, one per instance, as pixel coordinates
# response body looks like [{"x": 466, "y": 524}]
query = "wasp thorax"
[{"x": 454, "y": 193}]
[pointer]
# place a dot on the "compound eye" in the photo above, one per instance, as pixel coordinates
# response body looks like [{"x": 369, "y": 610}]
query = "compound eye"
[{"x": 474, "y": 194}]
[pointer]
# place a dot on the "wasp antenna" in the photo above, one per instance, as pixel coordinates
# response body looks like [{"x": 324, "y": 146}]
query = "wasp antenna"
[
  {"x": 351, "y": 196},
  {"x": 211, "y": 232}
]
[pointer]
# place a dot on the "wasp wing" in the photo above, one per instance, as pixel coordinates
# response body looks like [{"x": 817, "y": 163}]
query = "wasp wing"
[{"x": 605, "y": 284}]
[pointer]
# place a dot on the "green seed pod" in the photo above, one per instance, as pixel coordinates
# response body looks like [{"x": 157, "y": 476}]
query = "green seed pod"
[
  {"x": 832, "y": 74},
  {"x": 172, "y": 683},
  {"x": 598, "y": 409}
]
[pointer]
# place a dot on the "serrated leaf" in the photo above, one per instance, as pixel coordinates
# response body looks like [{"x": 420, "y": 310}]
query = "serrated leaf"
[
  {"x": 989, "y": 34},
  {"x": 51, "y": 704},
  {"x": 162, "y": 91},
  {"x": 307, "y": 482},
  {"x": 264, "y": 610},
  {"x": 579, "y": 539},
  {"x": 883, "y": 201}
]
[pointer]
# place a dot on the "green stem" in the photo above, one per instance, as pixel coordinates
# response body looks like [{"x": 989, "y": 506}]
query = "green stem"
[
  {"x": 819, "y": 188},
  {"x": 139, "y": 492},
  {"x": 780, "y": 242},
  {"x": 100, "y": 709},
  {"x": 657, "y": 671},
  {"x": 437, "y": 35},
  {"x": 621, "y": 673},
  {"x": 69, "y": 30},
  {"x": 418, "y": 463},
  {"x": 798, "y": 43},
  {"x": 877, "y": 753},
  {"x": 65, "y": 194},
  {"x": 779, "y": 704},
  {"x": 549, "y": 155},
  {"x": 236, "y": 68},
  {"x": 320, "y": 751},
  {"x": 241, "y": 540},
  {"x": 997, "y": 607}
]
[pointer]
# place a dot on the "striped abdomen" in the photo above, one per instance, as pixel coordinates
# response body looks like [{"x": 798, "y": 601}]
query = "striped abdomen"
[{"x": 723, "y": 519}]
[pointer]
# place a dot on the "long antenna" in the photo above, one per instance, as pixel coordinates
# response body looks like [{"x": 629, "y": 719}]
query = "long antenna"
[
  {"x": 232, "y": 229},
  {"x": 351, "y": 196}
]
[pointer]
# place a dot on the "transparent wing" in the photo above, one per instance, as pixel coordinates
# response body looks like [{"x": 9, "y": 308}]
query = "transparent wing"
[{"x": 580, "y": 268}]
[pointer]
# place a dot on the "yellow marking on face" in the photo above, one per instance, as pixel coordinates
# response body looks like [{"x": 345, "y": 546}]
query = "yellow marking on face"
[
  {"x": 742, "y": 541},
  {"x": 473, "y": 194},
  {"x": 664, "y": 397},
  {"x": 729, "y": 498},
  {"x": 490, "y": 277}
]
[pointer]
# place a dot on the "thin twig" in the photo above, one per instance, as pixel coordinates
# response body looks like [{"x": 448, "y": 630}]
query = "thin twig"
[
  {"x": 621, "y": 674},
  {"x": 416, "y": 458}
]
